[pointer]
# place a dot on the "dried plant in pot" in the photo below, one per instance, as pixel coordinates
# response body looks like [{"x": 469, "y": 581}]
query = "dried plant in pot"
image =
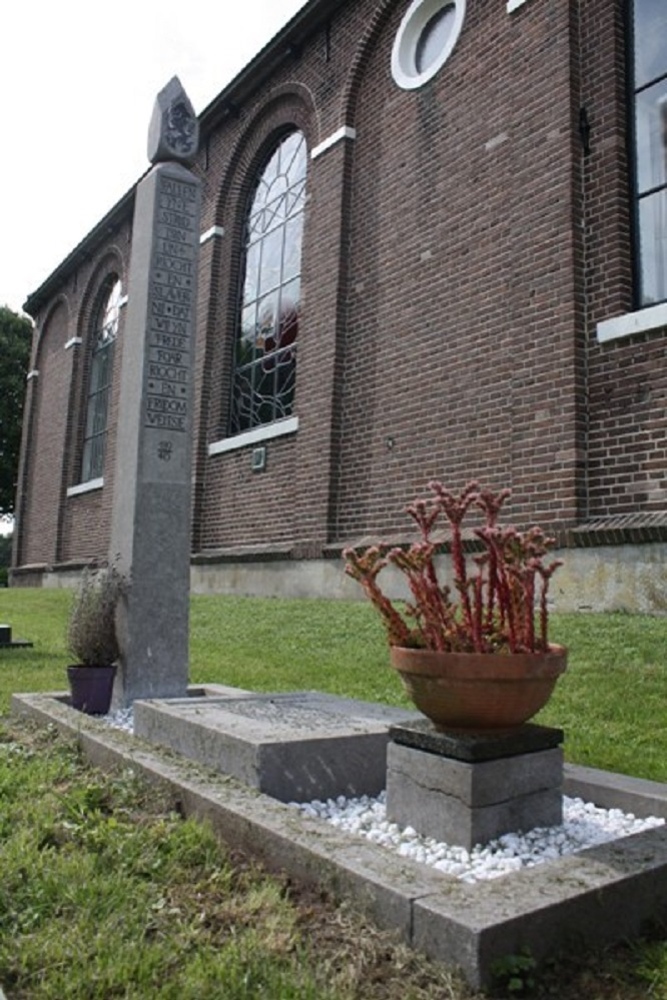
[
  {"x": 92, "y": 639},
  {"x": 474, "y": 655}
]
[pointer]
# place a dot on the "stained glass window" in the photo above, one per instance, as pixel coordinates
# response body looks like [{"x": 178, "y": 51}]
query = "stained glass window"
[
  {"x": 649, "y": 33},
  {"x": 104, "y": 332},
  {"x": 265, "y": 362}
]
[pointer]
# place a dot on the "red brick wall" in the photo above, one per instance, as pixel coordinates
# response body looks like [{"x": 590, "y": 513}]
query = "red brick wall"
[
  {"x": 288, "y": 505},
  {"x": 627, "y": 467},
  {"x": 462, "y": 319},
  {"x": 457, "y": 256},
  {"x": 52, "y": 527}
]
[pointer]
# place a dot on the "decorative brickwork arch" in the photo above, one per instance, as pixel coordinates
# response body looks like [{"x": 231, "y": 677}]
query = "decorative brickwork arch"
[
  {"x": 44, "y": 436},
  {"x": 45, "y": 326},
  {"x": 288, "y": 109},
  {"x": 112, "y": 260},
  {"x": 289, "y": 105},
  {"x": 374, "y": 27}
]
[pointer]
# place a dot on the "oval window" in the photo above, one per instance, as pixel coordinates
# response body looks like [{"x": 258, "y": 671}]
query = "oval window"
[
  {"x": 433, "y": 38},
  {"x": 425, "y": 40}
]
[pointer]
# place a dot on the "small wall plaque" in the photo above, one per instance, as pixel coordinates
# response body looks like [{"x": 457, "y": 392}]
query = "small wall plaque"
[{"x": 259, "y": 459}]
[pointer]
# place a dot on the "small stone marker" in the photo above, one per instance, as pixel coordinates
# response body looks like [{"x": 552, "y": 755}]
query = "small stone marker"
[
  {"x": 6, "y": 641},
  {"x": 150, "y": 534}
]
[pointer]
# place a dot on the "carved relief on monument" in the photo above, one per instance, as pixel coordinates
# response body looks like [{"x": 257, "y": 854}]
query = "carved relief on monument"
[{"x": 174, "y": 129}]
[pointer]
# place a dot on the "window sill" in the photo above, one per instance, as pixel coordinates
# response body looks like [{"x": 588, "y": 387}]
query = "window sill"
[
  {"x": 258, "y": 434},
  {"x": 88, "y": 487},
  {"x": 641, "y": 321}
]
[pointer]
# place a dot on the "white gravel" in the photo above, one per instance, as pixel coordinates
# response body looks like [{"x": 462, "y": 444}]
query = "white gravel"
[
  {"x": 122, "y": 718},
  {"x": 584, "y": 825}
]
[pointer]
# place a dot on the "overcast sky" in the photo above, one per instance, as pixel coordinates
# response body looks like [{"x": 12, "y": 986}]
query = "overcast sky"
[{"x": 79, "y": 81}]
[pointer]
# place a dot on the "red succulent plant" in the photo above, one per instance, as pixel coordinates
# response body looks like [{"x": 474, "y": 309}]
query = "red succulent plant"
[{"x": 499, "y": 605}]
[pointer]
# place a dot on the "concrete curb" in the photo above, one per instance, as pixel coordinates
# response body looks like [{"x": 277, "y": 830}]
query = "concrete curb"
[
  {"x": 615, "y": 791},
  {"x": 600, "y": 895}
]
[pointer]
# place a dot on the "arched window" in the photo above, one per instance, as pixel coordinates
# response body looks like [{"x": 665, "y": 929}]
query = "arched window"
[
  {"x": 649, "y": 86},
  {"x": 105, "y": 328},
  {"x": 265, "y": 360}
]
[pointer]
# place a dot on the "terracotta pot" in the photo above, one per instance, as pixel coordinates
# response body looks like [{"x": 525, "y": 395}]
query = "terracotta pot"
[
  {"x": 91, "y": 688},
  {"x": 478, "y": 691}
]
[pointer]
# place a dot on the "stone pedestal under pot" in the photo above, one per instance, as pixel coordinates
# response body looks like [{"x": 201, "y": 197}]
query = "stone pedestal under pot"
[{"x": 469, "y": 789}]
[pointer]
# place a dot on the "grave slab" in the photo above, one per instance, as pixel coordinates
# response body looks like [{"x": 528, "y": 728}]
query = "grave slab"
[{"x": 295, "y": 747}]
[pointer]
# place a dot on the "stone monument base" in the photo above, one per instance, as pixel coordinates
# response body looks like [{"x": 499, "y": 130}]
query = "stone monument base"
[{"x": 470, "y": 789}]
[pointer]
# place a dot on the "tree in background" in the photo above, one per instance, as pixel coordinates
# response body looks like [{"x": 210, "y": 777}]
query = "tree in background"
[{"x": 15, "y": 341}]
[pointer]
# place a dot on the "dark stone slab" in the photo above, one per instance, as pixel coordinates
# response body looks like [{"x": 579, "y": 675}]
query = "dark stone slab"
[
  {"x": 472, "y": 747},
  {"x": 6, "y": 641}
]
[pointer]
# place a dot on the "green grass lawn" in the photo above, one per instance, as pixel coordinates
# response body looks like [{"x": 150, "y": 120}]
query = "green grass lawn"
[
  {"x": 85, "y": 857},
  {"x": 105, "y": 892},
  {"x": 611, "y": 702}
]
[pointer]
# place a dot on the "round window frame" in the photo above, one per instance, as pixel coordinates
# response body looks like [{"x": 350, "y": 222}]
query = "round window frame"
[{"x": 413, "y": 24}]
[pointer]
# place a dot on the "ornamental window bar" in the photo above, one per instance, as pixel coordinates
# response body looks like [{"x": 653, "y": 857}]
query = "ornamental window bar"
[
  {"x": 105, "y": 329},
  {"x": 649, "y": 96},
  {"x": 265, "y": 357}
]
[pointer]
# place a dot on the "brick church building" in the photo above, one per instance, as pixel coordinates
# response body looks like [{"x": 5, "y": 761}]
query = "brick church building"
[{"x": 433, "y": 245}]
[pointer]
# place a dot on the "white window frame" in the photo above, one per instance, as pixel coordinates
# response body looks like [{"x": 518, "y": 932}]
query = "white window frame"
[{"x": 415, "y": 19}]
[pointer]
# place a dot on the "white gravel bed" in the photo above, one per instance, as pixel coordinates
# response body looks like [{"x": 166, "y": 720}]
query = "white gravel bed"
[
  {"x": 584, "y": 825},
  {"x": 122, "y": 718}
]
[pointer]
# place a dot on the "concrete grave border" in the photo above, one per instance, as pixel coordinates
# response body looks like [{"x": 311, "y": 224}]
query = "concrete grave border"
[{"x": 601, "y": 895}]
